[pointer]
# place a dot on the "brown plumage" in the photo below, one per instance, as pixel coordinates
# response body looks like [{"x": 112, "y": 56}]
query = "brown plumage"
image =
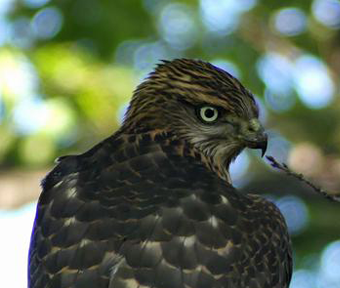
[{"x": 153, "y": 205}]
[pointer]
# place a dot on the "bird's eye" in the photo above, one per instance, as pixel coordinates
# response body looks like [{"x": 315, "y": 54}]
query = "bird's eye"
[{"x": 208, "y": 114}]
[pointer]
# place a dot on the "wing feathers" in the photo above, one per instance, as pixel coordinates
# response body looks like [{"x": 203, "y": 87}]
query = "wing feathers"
[{"x": 139, "y": 214}]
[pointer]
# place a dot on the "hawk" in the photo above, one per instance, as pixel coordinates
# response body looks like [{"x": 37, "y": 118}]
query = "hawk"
[{"x": 153, "y": 206}]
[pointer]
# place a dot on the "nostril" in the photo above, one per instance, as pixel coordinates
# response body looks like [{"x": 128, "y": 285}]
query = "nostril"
[{"x": 251, "y": 129}]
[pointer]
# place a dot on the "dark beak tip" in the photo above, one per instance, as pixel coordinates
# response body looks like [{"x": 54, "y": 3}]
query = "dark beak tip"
[
  {"x": 259, "y": 142},
  {"x": 264, "y": 145},
  {"x": 264, "y": 148}
]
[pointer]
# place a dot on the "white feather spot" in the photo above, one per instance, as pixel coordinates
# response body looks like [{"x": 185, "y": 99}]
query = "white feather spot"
[
  {"x": 151, "y": 244},
  {"x": 113, "y": 260},
  {"x": 71, "y": 193},
  {"x": 84, "y": 242},
  {"x": 189, "y": 241},
  {"x": 214, "y": 222},
  {"x": 72, "y": 179},
  {"x": 70, "y": 221},
  {"x": 224, "y": 200},
  {"x": 132, "y": 283},
  {"x": 226, "y": 250},
  {"x": 69, "y": 181},
  {"x": 58, "y": 184}
]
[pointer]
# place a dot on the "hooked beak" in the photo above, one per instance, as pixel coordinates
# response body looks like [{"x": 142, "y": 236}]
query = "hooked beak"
[
  {"x": 254, "y": 137},
  {"x": 258, "y": 141}
]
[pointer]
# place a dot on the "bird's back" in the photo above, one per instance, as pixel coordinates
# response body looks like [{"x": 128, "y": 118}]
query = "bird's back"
[{"x": 144, "y": 211}]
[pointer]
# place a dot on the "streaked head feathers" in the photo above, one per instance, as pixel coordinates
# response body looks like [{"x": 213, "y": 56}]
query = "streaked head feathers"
[
  {"x": 175, "y": 97},
  {"x": 195, "y": 82},
  {"x": 203, "y": 82}
]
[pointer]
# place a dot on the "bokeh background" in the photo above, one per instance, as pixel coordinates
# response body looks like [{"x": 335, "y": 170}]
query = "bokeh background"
[{"x": 68, "y": 69}]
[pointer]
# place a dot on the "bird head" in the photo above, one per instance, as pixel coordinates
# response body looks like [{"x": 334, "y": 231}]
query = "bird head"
[{"x": 201, "y": 104}]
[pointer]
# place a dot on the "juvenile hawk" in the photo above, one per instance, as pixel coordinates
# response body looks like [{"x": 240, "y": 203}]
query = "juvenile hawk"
[{"x": 153, "y": 206}]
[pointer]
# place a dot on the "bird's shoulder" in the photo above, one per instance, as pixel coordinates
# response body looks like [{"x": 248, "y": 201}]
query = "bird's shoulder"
[{"x": 126, "y": 158}]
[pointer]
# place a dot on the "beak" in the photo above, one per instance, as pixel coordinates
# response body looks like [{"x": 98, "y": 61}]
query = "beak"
[{"x": 257, "y": 141}]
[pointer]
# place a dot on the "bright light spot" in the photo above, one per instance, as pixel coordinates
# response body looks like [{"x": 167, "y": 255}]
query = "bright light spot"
[
  {"x": 6, "y": 25},
  {"x": 222, "y": 16},
  {"x": 306, "y": 158},
  {"x": 330, "y": 262},
  {"x": 228, "y": 66},
  {"x": 327, "y": 12},
  {"x": 279, "y": 102},
  {"x": 20, "y": 32},
  {"x": 14, "y": 245},
  {"x": 60, "y": 120},
  {"x": 30, "y": 115},
  {"x": 178, "y": 27},
  {"x": 219, "y": 18},
  {"x": 47, "y": 23},
  {"x": 295, "y": 212},
  {"x": 6, "y": 6},
  {"x": 290, "y": 21},
  {"x": 142, "y": 55},
  {"x": 147, "y": 55},
  {"x": 313, "y": 84},
  {"x": 125, "y": 51},
  {"x": 35, "y": 3},
  {"x": 4, "y": 31},
  {"x": 277, "y": 146},
  {"x": 303, "y": 279},
  {"x": 17, "y": 76},
  {"x": 276, "y": 72},
  {"x": 53, "y": 116},
  {"x": 238, "y": 168}
]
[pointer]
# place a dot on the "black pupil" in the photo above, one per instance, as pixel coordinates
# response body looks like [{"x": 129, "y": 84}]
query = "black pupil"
[{"x": 209, "y": 113}]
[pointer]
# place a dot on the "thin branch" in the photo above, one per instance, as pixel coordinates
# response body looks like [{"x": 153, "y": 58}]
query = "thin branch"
[{"x": 283, "y": 167}]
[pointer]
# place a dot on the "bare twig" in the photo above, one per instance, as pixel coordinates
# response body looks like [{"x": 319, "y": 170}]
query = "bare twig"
[{"x": 283, "y": 167}]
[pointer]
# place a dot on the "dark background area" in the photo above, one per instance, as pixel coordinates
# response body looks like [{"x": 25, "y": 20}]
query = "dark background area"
[{"x": 68, "y": 69}]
